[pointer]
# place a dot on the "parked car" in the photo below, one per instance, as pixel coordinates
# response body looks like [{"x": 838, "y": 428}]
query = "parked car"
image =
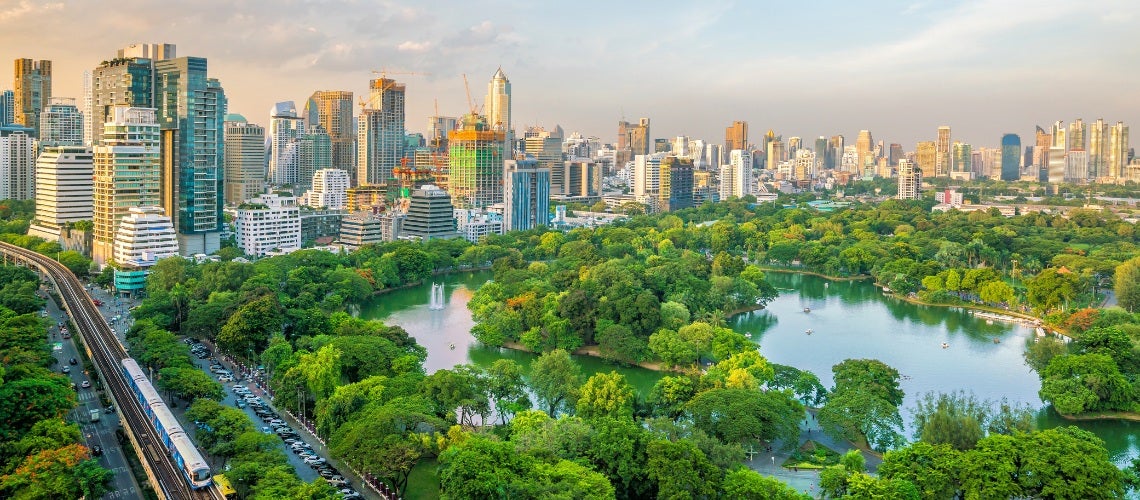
[
  {"x": 86, "y": 384},
  {"x": 225, "y": 378},
  {"x": 314, "y": 461},
  {"x": 337, "y": 481},
  {"x": 241, "y": 404},
  {"x": 96, "y": 450}
]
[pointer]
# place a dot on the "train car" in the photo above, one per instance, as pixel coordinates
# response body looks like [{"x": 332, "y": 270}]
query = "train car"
[{"x": 173, "y": 436}]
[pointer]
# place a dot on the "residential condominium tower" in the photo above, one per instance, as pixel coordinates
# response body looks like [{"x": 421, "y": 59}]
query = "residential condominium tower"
[
  {"x": 63, "y": 190},
  {"x": 32, "y": 92},
  {"x": 736, "y": 175},
  {"x": 285, "y": 130},
  {"x": 245, "y": 159},
  {"x": 18, "y": 148},
  {"x": 380, "y": 132},
  {"x": 332, "y": 110},
  {"x": 61, "y": 124},
  {"x": 126, "y": 167},
  {"x": 191, "y": 115},
  {"x": 527, "y": 194}
]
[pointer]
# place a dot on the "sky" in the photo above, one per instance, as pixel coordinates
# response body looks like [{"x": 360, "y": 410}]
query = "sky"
[{"x": 807, "y": 68}]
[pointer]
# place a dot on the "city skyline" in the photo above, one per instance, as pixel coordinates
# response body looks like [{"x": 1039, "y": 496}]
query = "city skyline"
[{"x": 899, "y": 70}]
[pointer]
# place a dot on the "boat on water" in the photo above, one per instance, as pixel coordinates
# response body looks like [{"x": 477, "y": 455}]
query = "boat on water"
[
  {"x": 945, "y": 345},
  {"x": 997, "y": 340},
  {"x": 748, "y": 335},
  {"x": 451, "y": 345},
  {"x": 807, "y": 309},
  {"x": 808, "y": 331}
]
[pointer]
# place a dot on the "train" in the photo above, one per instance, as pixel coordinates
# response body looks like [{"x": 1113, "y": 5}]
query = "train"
[{"x": 186, "y": 456}]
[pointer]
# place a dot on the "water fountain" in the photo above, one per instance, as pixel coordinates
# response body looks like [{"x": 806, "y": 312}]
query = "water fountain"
[{"x": 435, "y": 300}]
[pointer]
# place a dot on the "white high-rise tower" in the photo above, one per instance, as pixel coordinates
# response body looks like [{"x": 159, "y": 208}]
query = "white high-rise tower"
[{"x": 499, "y": 110}]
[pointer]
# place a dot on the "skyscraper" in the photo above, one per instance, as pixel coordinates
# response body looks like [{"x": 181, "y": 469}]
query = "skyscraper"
[
  {"x": 17, "y": 163},
  {"x": 736, "y": 175},
  {"x": 1010, "y": 157},
  {"x": 896, "y": 154},
  {"x": 32, "y": 91},
  {"x": 961, "y": 167},
  {"x": 191, "y": 110},
  {"x": 476, "y": 163},
  {"x": 7, "y": 107},
  {"x": 676, "y": 191},
  {"x": 315, "y": 154},
  {"x": 119, "y": 82},
  {"x": 647, "y": 175},
  {"x": 61, "y": 124},
  {"x": 821, "y": 150},
  {"x": 1117, "y": 151},
  {"x": 285, "y": 130},
  {"x": 736, "y": 136},
  {"x": 925, "y": 156},
  {"x": 1098, "y": 149},
  {"x": 499, "y": 110},
  {"x": 63, "y": 190},
  {"x": 545, "y": 147},
  {"x": 245, "y": 159},
  {"x": 126, "y": 173},
  {"x": 527, "y": 194},
  {"x": 438, "y": 128},
  {"x": 330, "y": 189},
  {"x": 1077, "y": 135},
  {"x": 942, "y": 159},
  {"x": 864, "y": 145},
  {"x": 380, "y": 132},
  {"x": 332, "y": 110},
  {"x": 834, "y": 152}
]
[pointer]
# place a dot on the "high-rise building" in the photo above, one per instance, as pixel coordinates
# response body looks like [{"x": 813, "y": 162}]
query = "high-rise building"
[
  {"x": 527, "y": 194},
  {"x": 1057, "y": 136},
  {"x": 32, "y": 92},
  {"x": 1118, "y": 151},
  {"x": 88, "y": 106},
  {"x": 647, "y": 174},
  {"x": 821, "y": 150},
  {"x": 61, "y": 124},
  {"x": 245, "y": 159},
  {"x": 7, "y": 108},
  {"x": 775, "y": 153},
  {"x": 581, "y": 180},
  {"x": 268, "y": 223},
  {"x": 1077, "y": 135},
  {"x": 119, "y": 82},
  {"x": 834, "y": 152},
  {"x": 1077, "y": 166},
  {"x": 961, "y": 162},
  {"x": 805, "y": 165},
  {"x": 285, "y": 130},
  {"x": 365, "y": 228},
  {"x": 314, "y": 153},
  {"x": 330, "y": 189},
  {"x": 910, "y": 181},
  {"x": 676, "y": 179},
  {"x": 430, "y": 214},
  {"x": 1098, "y": 149},
  {"x": 1056, "y": 164},
  {"x": 942, "y": 157},
  {"x": 152, "y": 51},
  {"x": 18, "y": 147},
  {"x": 736, "y": 175},
  {"x": 1010, "y": 157},
  {"x": 191, "y": 110},
  {"x": 864, "y": 146},
  {"x": 438, "y": 128},
  {"x": 926, "y": 156},
  {"x": 1043, "y": 141},
  {"x": 127, "y": 173},
  {"x": 332, "y": 110},
  {"x": 63, "y": 190},
  {"x": 476, "y": 164},
  {"x": 736, "y": 136},
  {"x": 380, "y": 132},
  {"x": 546, "y": 148},
  {"x": 639, "y": 140},
  {"x": 499, "y": 110},
  {"x": 896, "y": 154}
]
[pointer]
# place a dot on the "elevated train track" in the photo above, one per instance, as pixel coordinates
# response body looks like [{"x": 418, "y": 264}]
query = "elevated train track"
[{"x": 107, "y": 353}]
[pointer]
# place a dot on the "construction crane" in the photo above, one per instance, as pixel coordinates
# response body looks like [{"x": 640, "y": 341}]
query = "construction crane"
[
  {"x": 383, "y": 75},
  {"x": 470, "y": 102}
]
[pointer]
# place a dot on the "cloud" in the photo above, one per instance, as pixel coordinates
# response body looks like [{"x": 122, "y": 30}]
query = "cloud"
[
  {"x": 410, "y": 46},
  {"x": 24, "y": 7}
]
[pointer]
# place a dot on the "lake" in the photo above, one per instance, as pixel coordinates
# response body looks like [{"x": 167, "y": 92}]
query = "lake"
[{"x": 848, "y": 319}]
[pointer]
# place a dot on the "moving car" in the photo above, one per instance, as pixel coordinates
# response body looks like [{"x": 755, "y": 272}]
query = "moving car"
[
  {"x": 86, "y": 384},
  {"x": 66, "y": 369},
  {"x": 72, "y": 361}
]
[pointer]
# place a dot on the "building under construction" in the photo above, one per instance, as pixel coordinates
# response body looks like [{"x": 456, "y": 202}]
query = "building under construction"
[{"x": 475, "y": 177}]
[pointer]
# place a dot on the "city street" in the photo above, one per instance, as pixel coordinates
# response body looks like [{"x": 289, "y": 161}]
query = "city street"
[{"x": 101, "y": 433}]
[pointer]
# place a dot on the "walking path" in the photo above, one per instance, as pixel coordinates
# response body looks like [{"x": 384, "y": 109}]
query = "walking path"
[{"x": 770, "y": 463}]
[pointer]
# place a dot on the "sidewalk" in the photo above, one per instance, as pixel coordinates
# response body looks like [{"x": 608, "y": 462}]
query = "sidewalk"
[{"x": 770, "y": 463}]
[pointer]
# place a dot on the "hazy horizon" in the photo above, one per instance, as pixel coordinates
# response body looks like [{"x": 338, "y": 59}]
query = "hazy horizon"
[{"x": 899, "y": 69}]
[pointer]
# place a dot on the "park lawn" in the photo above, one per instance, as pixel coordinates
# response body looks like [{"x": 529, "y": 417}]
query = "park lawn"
[
  {"x": 812, "y": 455},
  {"x": 423, "y": 483}
]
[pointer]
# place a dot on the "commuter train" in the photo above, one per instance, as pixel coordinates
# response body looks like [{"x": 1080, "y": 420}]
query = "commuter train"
[{"x": 177, "y": 442}]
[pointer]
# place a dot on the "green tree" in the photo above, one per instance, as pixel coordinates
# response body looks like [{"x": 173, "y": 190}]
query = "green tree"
[
  {"x": 26, "y": 401},
  {"x": 507, "y": 389},
  {"x": 672, "y": 349},
  {"x": 1127, "y": 284},
  {"x": 864, "y": 404},
  {"x": 250, "y": 327},
  {"x": 747, "y": 484},
  {"x": 1077, "y": 383},
  {"x": 933, "y": 469},
  {"x": 75, "y": 262},
  {"x": 681, "y": 470},
  {"x": 747, "y": 415},
  {"x": 606, "y": 395},
  {"x": 554, "y": 378}
]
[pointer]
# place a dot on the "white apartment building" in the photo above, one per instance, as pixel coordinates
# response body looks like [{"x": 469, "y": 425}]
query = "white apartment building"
[
  {"x": 268, "y": 223},
  {"x": 17, "y": 165},
  {"x": 64, "y": 190},
  {"x": 144, "y": 237},
  {"x": 475, "y": 224},
  {"x": 647, "y": 174},
  {"x": 330, "y": 189},
  {"x": 736, "y": 176}
]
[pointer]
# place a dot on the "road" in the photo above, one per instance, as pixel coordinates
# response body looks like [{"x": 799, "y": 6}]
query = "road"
[
  {"x": 101, "y": 433},
  {"x": 107, "y": 354}
]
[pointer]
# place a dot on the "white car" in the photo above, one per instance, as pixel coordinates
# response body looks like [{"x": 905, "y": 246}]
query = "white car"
[{"x": 312, "y": 461}]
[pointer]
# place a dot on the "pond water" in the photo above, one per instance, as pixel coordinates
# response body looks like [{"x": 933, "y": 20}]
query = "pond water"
[{"x": 848, "y": 319}]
